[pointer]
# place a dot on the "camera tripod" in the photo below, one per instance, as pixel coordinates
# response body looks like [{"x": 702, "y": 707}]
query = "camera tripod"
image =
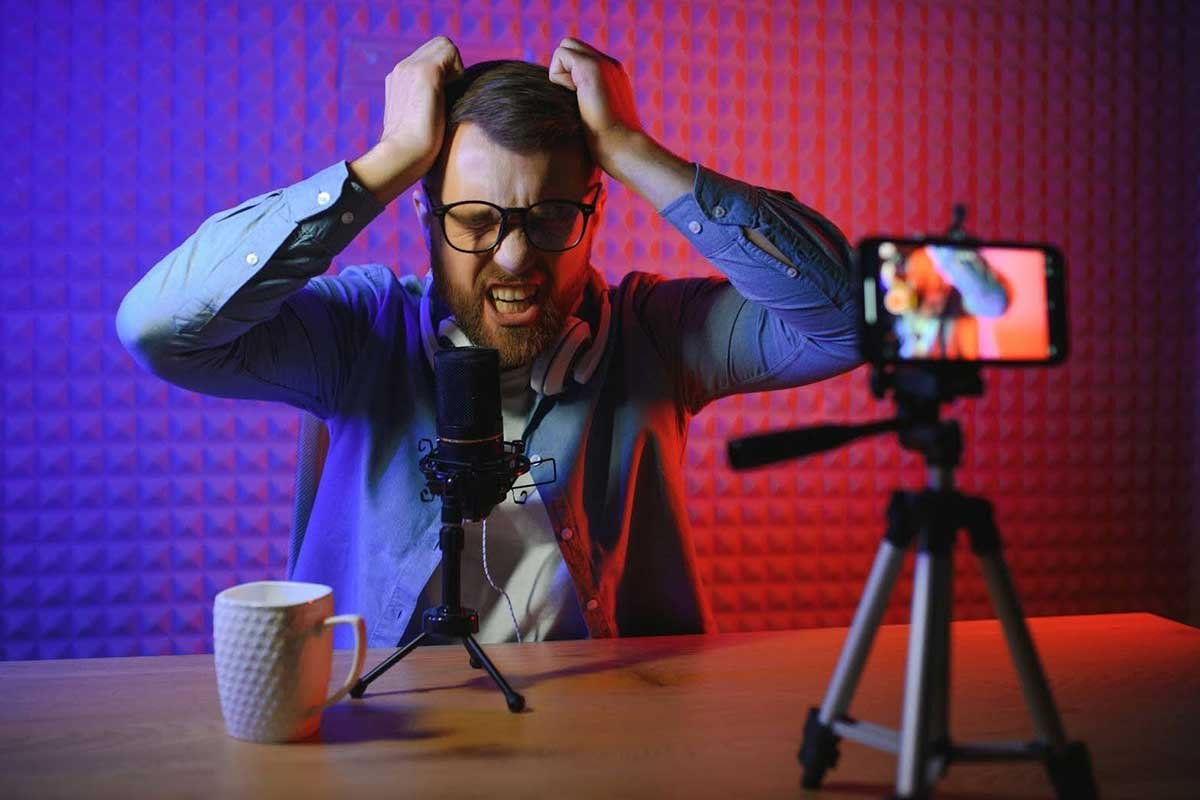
[{"x": 930, "y": 520}]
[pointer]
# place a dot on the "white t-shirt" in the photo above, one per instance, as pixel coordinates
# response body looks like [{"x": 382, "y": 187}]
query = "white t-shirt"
[{"x": 522, "y": 554}]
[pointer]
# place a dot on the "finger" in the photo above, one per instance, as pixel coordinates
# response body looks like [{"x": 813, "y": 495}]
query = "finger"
[
  {"x": 580, "y": 45},
  {"x": 561, "y": 64},
  {"x": 435, "y": 45},
  {"x": 448, "y": 50},
  {"x": 430, "y": 51},
  {"x": 576, "y": 43},
  {"x": 445, "y": 53},
  {"x": 579, "y": 66},
  {"x": 456, "y": 66}
]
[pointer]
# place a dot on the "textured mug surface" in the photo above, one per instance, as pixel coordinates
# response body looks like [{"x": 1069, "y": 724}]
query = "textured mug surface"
[{"x": 273, "y": 646}]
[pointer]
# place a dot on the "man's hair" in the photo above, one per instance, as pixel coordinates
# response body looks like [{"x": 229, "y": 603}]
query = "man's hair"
[{"x": 517, "y": 106}]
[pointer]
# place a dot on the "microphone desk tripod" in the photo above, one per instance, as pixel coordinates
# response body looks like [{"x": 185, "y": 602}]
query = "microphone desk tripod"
[{"x": 450, "y": 619}]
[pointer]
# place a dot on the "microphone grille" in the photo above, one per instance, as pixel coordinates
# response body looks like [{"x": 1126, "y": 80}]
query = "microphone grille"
[{"x": 467, "y": 386}]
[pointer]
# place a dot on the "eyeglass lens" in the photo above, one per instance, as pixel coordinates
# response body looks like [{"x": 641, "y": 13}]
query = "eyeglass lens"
[{"x": 549, "y": 225}]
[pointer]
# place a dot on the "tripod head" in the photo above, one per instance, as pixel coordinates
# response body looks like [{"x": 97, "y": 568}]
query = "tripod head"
[{"x": 919, "y": 392}]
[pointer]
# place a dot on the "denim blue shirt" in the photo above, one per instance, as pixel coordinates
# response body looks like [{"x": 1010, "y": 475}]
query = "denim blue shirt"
[{"x": 242, "y": 309}]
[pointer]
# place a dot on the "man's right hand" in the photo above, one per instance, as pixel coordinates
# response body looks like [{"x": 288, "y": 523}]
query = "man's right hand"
[{"x": 413, "y": 121}]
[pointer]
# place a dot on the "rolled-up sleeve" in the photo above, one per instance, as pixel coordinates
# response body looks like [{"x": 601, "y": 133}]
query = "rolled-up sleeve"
[
  {"x": 229, "y": 312},
  {"x": 771, "y": 323}
]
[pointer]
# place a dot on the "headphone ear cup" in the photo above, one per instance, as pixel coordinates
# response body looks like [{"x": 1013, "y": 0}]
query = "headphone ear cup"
[
  {"x": 589, "y": 360},
  {"x": 552, "y": 368},
  {"x": 449, "y": 331},
  {"x": 429, "y": 339}
]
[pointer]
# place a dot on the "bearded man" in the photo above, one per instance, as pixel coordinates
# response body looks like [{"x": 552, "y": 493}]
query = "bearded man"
[{"x": 509, "y": 158}]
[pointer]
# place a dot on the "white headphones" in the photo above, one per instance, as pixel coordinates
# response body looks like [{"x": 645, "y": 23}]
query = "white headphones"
[{"x": 576, "y": 353}]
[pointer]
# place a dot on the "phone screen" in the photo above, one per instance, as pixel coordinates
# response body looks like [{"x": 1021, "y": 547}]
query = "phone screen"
[{"x": 941, "y": 300}]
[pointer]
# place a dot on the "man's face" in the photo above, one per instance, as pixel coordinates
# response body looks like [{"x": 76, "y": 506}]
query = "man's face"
[
  {"x": 934, "y": 298},
  {"x": 932, "y": 288},
  {"x": 514, "y": 298}
]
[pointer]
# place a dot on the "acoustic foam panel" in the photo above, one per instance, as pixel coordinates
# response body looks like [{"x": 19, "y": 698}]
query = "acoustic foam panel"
[{"x": 127, "y": 504}]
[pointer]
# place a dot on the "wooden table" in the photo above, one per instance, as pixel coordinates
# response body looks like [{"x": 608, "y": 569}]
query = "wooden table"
[{"x": 689, "y": 716}]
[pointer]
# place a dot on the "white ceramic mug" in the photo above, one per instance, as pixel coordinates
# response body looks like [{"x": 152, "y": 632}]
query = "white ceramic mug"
[{"x": 273, "y": 642}]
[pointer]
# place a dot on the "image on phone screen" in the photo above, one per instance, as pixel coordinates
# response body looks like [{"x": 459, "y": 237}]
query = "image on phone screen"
[{"x": 936, "y": 300}]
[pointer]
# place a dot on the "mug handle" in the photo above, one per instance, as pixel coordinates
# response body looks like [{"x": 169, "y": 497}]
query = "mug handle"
[{"x": 360, "y": 653}]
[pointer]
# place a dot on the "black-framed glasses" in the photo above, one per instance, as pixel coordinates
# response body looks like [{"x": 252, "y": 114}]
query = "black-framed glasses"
[{"x": 476, "y": 226}]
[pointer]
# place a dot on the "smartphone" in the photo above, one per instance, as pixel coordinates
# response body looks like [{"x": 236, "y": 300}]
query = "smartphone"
[{"x": 947, "y": 300}]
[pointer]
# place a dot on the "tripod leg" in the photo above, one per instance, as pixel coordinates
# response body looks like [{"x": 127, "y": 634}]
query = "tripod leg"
[
  {"x": 819, "y": 749},
  {"x": 1020, "y": 645},
  {"x": 985, "y": 541},
  {"x": 939, "y": 669},
  {"x": 1068, "y": 763},
  {"x": 929, "y": 579},
  {"x": 863, "y": 628},
  {"x": 515, "y": 701},
  {"x": 1071, "y": 773},
  {"x": 360, "y": 688}
]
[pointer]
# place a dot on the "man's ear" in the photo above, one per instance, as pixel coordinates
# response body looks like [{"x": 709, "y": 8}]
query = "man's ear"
[
  {"x": 601, "y": 203},
  {"x": 421, "y": 205}
]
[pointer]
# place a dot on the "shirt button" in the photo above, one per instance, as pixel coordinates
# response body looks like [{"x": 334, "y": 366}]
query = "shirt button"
[
  {"x": 347, "y": 217},
  {"x": 252, "y": 259},
  {"x": 322, "y": 198},
  {"x": 719, "y": 211},
  {"x": 593, "y": 604},
  {"x": 694, "y": 227},
  {"x": 793, "y": 272},
  {"x": 567, "y": 534}
]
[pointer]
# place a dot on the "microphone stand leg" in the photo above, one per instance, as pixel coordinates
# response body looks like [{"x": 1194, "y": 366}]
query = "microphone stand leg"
[
  {"x": 515, "y": 701},
  {"x": 360, "y": 688}
]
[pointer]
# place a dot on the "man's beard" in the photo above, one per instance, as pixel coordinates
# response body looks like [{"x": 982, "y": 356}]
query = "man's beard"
[{"x": 518, "y": 345}]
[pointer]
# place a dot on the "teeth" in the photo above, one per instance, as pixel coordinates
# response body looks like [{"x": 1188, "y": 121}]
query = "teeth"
[{"x": 512, "y": 295}]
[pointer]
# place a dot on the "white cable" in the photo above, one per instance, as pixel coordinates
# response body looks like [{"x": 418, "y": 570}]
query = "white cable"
[{"x": 492, "y": 583}]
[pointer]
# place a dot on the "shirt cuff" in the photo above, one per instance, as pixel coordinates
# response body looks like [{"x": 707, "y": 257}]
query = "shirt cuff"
[
  {"x": 713, "y": 214},
  {"x": 338, "y": 205}
]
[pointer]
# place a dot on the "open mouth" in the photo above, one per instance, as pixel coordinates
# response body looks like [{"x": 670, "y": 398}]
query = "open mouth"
[{"x": 514, "y": 305}]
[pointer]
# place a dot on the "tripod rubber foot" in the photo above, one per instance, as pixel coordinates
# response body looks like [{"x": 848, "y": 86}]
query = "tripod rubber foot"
[
  {"x": 818, "y": 751},
  {"x": 476, "y": 663},
  {"x": 358, "y": 690},
  {"x": 1071, "y": 773},
  {"x": 516, "y": 703}
]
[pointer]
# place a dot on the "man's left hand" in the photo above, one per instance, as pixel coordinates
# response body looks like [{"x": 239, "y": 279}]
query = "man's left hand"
[
  {"x": 605, "y": 98},
  {"x": 614, "y": 135}
]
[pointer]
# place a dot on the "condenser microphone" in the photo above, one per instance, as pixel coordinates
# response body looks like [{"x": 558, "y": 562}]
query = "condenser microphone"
[
  {"x": 470, "y": 429},
  {"x": 470, "y": 459}
]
